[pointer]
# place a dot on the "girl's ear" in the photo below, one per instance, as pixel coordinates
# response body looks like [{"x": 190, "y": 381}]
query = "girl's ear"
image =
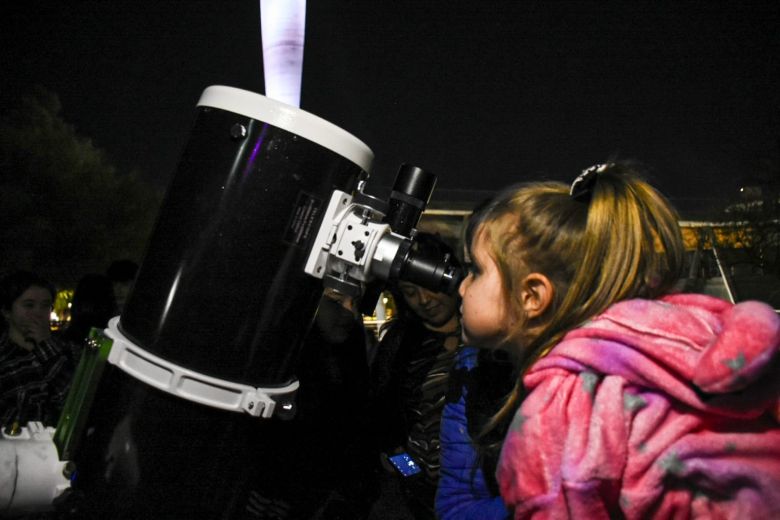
[{"x": 537, "y": 295}]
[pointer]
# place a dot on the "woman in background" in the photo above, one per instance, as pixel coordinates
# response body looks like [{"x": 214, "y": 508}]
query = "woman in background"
[
  {"x": 35, "y": 368},
  {"x": 409, "y": 381}
]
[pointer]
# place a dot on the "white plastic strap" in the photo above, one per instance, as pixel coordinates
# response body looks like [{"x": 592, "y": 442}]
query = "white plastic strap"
[{"x": 188, "y": 384}]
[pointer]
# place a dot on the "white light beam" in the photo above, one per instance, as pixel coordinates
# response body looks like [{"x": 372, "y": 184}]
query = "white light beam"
[{"x": 282, "y": 26}]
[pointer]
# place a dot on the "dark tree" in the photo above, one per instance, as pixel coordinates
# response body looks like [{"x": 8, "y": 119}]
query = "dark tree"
[{"x": 64, "y": 207}]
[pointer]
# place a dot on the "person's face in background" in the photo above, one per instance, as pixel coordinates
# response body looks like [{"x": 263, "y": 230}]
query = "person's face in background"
[
  {"x": 28, "y": 317},
  {"x": 121, "y": 292},
  {"x": 433, "y": 308},
  {"x": 336, "y": 316}
]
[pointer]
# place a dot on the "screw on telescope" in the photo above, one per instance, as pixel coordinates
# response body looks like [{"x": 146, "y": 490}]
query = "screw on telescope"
[{"x": 238, "y": 131}]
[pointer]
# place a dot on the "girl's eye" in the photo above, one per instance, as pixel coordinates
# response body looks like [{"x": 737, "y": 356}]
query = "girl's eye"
[{"x": 472, "y": 268}]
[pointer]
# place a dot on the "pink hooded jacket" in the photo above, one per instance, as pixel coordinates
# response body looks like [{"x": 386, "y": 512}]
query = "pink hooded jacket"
[{"x": 655, "y": 409}]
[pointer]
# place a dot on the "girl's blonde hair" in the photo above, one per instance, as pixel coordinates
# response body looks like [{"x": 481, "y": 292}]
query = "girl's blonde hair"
[{"x": 618, "y": 238}]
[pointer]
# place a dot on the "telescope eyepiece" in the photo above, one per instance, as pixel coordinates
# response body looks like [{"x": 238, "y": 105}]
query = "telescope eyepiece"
[
  {"x": 441, "y": 273},
  {"x": 409, "y": 197}
]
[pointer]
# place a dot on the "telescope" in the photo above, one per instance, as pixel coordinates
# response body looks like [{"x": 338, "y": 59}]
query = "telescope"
[{"x": 172, "y": 401}]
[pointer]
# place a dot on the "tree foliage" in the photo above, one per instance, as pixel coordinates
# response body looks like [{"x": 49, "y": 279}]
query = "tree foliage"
[{"x": 65, "y": 208}]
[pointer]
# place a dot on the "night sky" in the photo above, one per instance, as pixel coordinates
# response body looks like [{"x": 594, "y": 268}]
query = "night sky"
[{"x": 481, "y": 93}]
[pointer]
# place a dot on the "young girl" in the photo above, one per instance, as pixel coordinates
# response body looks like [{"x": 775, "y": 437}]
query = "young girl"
[{"x": 634, "y": 401}]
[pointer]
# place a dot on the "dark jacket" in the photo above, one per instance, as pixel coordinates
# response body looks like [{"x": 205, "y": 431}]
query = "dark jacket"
[
  {"x": 409, "y": 386},
  {"x": 34, "y": 384}
]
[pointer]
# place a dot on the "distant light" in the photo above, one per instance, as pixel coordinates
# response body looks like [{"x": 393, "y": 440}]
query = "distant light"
[{"x": 282, "y": 26}]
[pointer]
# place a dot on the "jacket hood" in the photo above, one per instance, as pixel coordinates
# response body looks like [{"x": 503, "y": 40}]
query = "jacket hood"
[{"x": 707, "y": 353}]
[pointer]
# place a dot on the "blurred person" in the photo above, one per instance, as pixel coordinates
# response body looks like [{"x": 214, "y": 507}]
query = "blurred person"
[
  {"x": 35, "y": 367},
  {"x": 409, "y": 380},
  {"x": 323, "y": 463},
  {"x": 122, "y": 275},
  {"x": 92, "y": 306}
]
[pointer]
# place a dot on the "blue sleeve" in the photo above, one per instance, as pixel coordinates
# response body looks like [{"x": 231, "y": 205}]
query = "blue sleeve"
[{"x": 462, "y": 493}]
